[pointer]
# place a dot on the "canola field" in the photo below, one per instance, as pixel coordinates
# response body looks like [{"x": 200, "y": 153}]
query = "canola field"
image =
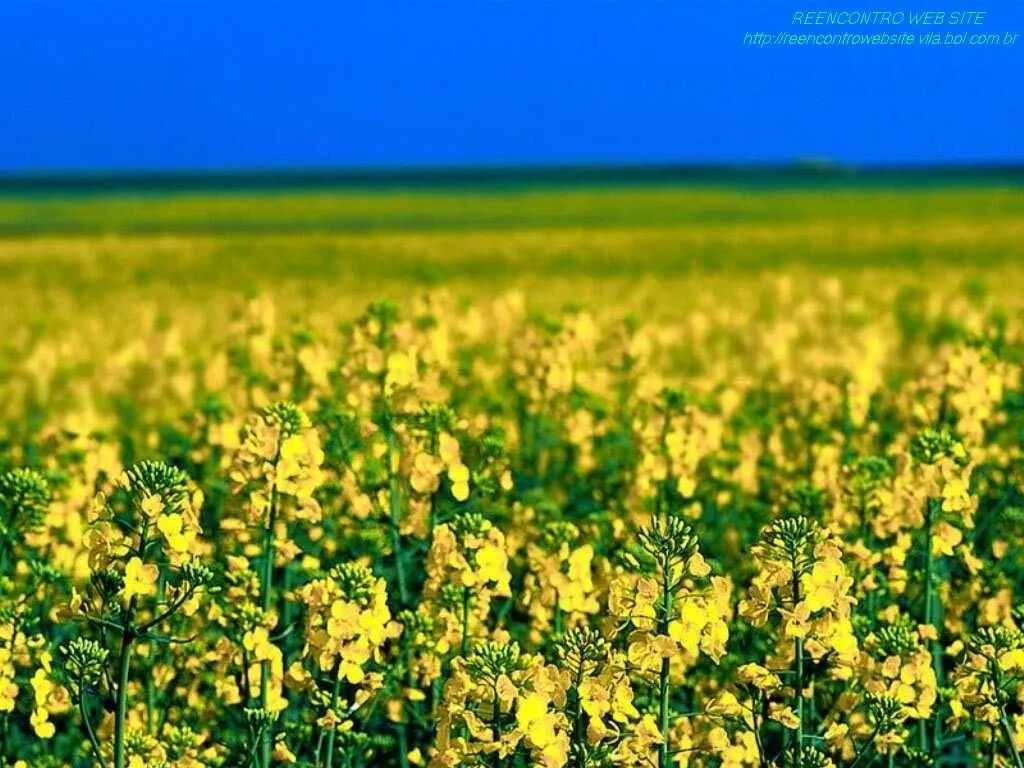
[{"x": 648, "y": 476}]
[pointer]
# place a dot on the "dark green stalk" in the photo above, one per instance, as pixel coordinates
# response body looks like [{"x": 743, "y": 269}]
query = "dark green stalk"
[
  {"x": 928, "y": 605},
  {"x": 394, "y": 500},
  {"x": 1004, "y": 723},
  {"x": 864, "y": 749},
  {"x": 266, "y": 736},
  {"x": 666, "y": 667},
  {"x": 150, "y": 687},
  {"x": 403, "y": 745},
  {"x": 1008, "y": 733},
  {"x": 465, "y": 621},
  {"x": 128, "y": 634},
  {"x": 432, "y": 501},
  {"x": 288, "y": 609},
  {"x": 7, "y": 540},
  {"x": 150, "y": 703},
  {"x": 334, "y": 728},
  {"x": 93, "y": 741},
  {"x": 799, "y": 662},
  {"x": 762, "y": 759},
  {"x": 123, "y": 665},
  {"x": 578, "y": 736},
  {"x": 799, "y": 701}
]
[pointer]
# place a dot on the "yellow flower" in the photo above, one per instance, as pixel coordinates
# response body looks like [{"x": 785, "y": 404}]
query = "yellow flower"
[
  {"x": 425, "y": 470},
  {"x": 458, "y": 474},
  {"x": 257, "y": 642},
  {"x": 1012, "y": 660},
  {"x": 944, "y": 538},
  {"x": 687, "y": 629},
  {"x": 757, "y": 605},
  {"x": 954, "y": 496},
  {"x": 172, "y": 526},
  {"x": 634, "y": 600},
  {"x": 697, "y": 566},
  {"x": 139, "y": 579},
  {"x": 595, "y": 697},
  {"x": 282, "y": 754},
  {"x": 8, "y": 693},
  {"x": 41, "y": 724},
  {"x": 783, "y": 715},
  {"x": 152, "y": 506},
  {"x": 535, "y": 721},
  {"x": 825, "y": 584},
  {"x": 505, "y": 689},
  {"x": 344, "y": 620},
  {"x": 686, "y": 487},
  {"x": 401, "y": 370},
  {"x": 460, "y": 491},
  {"x": 448, "y": 448},
  {"x": 758, "y": 676},
  {"x": 622, "y": 702},
  {"x": 647, "y": 732},
  {"x": 798, "y": 621},
  {"x": 836, "y": 734},
  {"x": 41, "y": 687},
  {"x": 724, "y": 705},
  {"x": 492, "y": 564}
]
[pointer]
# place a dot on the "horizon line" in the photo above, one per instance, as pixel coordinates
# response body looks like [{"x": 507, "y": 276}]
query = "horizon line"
[{"x": 453, "y": 175}]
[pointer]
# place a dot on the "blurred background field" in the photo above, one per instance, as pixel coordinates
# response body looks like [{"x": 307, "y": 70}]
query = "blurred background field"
[{"x": 69, "y": 257}]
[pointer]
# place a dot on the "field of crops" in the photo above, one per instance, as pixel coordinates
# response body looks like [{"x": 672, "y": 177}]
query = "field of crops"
[{"x": 584, "y": 478}]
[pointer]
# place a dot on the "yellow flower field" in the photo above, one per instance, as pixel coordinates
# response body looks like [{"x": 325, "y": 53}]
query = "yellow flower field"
[{"x": 677, "y": 478}]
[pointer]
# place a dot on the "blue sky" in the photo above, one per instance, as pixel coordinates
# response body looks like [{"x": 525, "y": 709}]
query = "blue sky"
[{"x": 100, "y": 84}]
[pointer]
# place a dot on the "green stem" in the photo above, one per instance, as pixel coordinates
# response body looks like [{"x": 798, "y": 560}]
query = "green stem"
[
  {"x": 928, "y": 604},
  {"x": 403, "y": 746},
  {"x": 93, "y": 741},
  {"x": 578, "y": 736},
  {"x": 403, "y": 727},
  {"x": 465, "y": 621},
  {"x": 996, "y": 673},
  {"x": 762, "y": 758},
  {"x": 266, "y": 736},
  {"x": 1008, "y": 733},
  {"x": 394, "y": 500},
  {"x": 3, "y": 556},
  {"x": 124, "y": 664},
  {"x": 323, "y": 731},
  {"x": 150, "y": 703},
  {"x": 334, "y": 728},
  {"x": 287, "y": 612},
  {"x": 799, "y": 662},
  {"x": 799, "y": 701},
  {"x": 150, "y": 686},
  {"x": 864, "y": 749},
  {"x": 666, "y": 667}
]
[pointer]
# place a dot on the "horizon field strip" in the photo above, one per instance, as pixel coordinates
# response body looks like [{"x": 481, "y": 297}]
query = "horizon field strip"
[{"x": 643, "y": 246}]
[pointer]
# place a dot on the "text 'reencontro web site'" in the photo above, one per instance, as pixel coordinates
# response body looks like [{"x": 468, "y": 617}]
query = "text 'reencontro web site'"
[{"x": 885, "y": 28}]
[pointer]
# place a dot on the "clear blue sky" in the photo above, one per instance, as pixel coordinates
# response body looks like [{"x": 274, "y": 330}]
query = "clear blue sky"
[{"x": 217, "y": 83}]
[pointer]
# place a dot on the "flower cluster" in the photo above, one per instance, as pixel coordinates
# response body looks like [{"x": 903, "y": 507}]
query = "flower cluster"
[{"x": 445, "y": 534}]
